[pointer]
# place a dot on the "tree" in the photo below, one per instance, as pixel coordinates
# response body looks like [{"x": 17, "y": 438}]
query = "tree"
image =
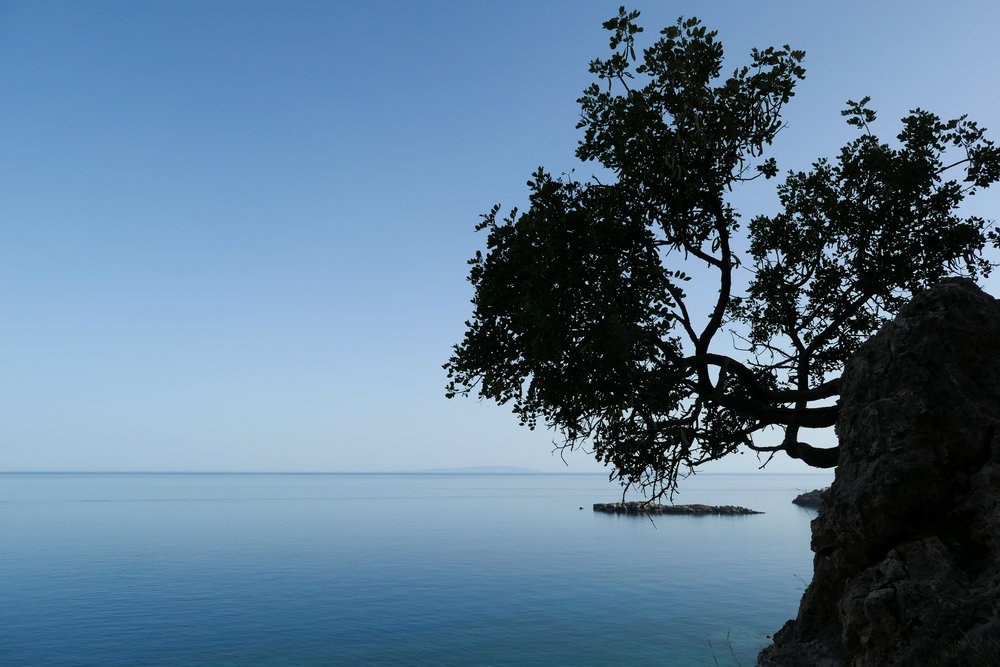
[{"x": 581, "y": 317}]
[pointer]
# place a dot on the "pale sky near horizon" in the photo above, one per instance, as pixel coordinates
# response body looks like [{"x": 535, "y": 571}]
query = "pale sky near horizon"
[{"x": 235, "y": 234}]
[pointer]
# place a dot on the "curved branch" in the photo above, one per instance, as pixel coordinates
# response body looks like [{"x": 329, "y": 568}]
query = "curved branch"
[
  {"x": 725, "y": 264},
  {"x": 817, "y": 457},
  {"x": 828, "y": 389},
  {"x": 814, "y": 456},
  {"x": 685, "y": 318},
  {"x": 807, "y": 418}
]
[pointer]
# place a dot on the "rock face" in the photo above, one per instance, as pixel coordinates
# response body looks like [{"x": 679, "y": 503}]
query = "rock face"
[
  {"x": 652, "y": 508},
  {"x": 810, "y": 498},
  {"x": 907, "y": 543}
]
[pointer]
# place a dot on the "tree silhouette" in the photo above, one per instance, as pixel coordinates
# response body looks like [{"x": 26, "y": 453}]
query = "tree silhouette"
[{"x": 581, "y": 318}]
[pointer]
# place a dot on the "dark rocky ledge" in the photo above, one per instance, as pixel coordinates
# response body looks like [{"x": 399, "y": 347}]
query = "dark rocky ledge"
[
  {"x": 811, "y": 498},
  {"x": 687, "y": 510},
  {"x": 907, "y": 542}
]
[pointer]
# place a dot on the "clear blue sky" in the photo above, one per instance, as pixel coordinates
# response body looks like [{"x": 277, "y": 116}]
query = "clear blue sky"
[{"x": 234, "y": 234}]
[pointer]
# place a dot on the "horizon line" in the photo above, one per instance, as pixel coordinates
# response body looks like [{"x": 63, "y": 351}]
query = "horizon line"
[{"x": 353, "y": 472}]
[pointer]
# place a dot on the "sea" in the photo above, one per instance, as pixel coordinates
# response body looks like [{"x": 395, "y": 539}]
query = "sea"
[{"x": 392, "y": 569}]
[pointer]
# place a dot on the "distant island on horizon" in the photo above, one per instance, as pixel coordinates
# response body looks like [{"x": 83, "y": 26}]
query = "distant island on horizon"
[
  {"x": 492, "y": 470},
  {"x": 470, "y": 470}
]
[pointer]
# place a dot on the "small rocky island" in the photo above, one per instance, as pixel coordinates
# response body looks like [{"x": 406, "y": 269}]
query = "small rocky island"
[
  {"x": 636, "y": 507},
  {"x": 811, "y": 498}
]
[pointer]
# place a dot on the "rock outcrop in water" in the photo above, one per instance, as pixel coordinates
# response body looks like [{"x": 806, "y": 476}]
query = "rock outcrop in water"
[
  {"x": 810, "y": 498},
  {"x": 653, "y": 508},
  {"x": 907, "y": 543}
]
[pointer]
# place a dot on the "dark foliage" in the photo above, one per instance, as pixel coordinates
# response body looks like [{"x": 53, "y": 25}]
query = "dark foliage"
[{"x": 581, "y": 320}]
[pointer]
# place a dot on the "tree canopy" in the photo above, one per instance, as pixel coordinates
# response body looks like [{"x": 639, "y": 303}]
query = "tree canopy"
[{"x": 582, "y": 321}]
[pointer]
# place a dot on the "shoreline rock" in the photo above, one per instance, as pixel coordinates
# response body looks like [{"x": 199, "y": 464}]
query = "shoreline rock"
[
  {"x": 635, "y": 507},
  {"x": 907, "y": 543},
  {"x": 811, "y": 498}
]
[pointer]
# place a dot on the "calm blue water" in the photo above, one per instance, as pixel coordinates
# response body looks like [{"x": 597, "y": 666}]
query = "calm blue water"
[{"x": 174, "y": 569}]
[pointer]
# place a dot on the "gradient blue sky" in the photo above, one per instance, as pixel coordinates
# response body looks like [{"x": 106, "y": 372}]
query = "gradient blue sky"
[{"x": 234, "y": 234}]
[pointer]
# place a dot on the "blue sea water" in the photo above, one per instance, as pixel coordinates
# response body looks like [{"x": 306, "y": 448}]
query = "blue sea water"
[{"x": 410, "y": 569}]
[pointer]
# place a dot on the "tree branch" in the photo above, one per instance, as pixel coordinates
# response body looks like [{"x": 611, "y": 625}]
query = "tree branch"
[
  {"x": 836, "y": 323},
  {"x": 813, "y": 456},
  {"x": 820, "y": 417},
  {"x": 828, "y": 389},
  {"x": 685, "y": 317},
  {"x": 725, "y": 265},
  {"x": 817, "y": 457}
]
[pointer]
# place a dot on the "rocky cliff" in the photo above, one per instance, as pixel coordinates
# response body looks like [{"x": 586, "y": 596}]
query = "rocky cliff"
[{"x": 907, "y": 542}]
